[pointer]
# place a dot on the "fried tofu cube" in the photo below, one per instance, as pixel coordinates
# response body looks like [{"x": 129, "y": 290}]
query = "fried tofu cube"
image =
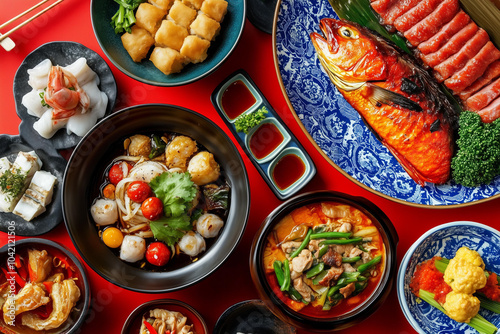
[
  {"x": 216, "y": 9},
  {"x": 195, "y": 48},
  {"x": 181, "y": 14},
  {"x": 171, "y": 35},
  {"x": 167, "y": 60},
  {"x": 149, "y": 17},
  {"x": 162, "y": 4},
  {"x": 205, "y": 27},
  {"x": 137, "y": 43},
  {"x": 195, "y": 4}
]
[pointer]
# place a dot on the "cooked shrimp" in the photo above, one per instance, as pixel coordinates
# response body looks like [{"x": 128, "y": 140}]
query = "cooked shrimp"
[{"x": 64, "y": 94}]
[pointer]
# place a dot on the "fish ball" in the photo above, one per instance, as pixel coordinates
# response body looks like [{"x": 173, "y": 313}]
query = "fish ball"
[
  {"x": 209, "y": 225},
  {"x": 140, "y": 145},
  {"x": 192, "y": 243},
  {"x": 133, "y": 248},
  {"x": 203, "y": 168},
  {"x": 104, "y": 212}
]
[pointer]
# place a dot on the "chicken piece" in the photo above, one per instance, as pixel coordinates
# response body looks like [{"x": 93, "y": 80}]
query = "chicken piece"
[
  {"x": 303, "y": 261},
  {"x": 347, "y": 290},
  {"x": 304, "y": 289},
  {"x": 348, "y": 268},
  {"x": 178, "y": 151},
  {"x": 139, "y": 145},
  {"x": 366, "y": 257},
  {"x": 203, "y": 168},
  {"x": 355, "y": 252},
  {"x": 335, "y": 211},
  {"x": 64, "y": 296},
  {"x": 40, "y": 263},
  {"x": 289, "y": 246},
  {"x": 345, "y": 227},
  {"x": 313, "y": 246},
  {"x": 333, "y": 274},
  {"x": 29, "y": 298},
  {"x": 344, "y": 250},
  {"x": 332, "y": 258}
]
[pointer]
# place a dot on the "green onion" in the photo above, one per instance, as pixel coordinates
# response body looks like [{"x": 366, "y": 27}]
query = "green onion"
[
  {"x": 441, "y": 264},
  {"x": 489, "y": 304}
]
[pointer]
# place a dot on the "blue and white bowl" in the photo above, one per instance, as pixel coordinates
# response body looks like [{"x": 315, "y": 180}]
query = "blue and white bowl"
[{"x": 444, "y": 240}]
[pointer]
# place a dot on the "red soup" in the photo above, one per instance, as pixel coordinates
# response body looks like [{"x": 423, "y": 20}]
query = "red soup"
[
  {"x": 265, "y": 140},
  {"x": 288, "y": 170},
  {"x": 236, "y": 99}
]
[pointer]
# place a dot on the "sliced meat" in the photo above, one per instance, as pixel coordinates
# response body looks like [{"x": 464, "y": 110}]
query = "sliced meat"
[
  {"x": 333, "y": 274},
  {"x": 453, "y": 64},
  {"x": 491, "y": 112},
  {"x": 473, "y": 69},
  {"x": 431, "y": 24},
  {"x": 332, "y": 258},
  {"x": 304, "y": 289},
  {"x": 484, "y": 97},
  {"x": 447, "y": 31},
  {"x": 491, "y": 73},
  {"x": 289, "y": 246},
  {"x": 347, "y": 290},
  {"x": 416, "y": 14},
  {"x": 452, "y": 46},
  {"x": 396, "y": 10},
  {"x": 355, "y": 252},
  {"x": 313, "y": 245},
  {"x": 303, "y": 261},
  {"x": 345, "y": 227},
  {"x": 348, "y": 268},
  {"x": 381, "y": 6},
  {"x": 344, "y": 250}
]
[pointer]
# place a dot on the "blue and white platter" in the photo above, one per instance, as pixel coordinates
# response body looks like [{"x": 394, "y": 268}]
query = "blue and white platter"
[{"x": 336, "y": 129}]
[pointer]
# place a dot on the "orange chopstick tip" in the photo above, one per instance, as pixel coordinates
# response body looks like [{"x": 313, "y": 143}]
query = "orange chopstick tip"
[{"x": 7, "y": 43}]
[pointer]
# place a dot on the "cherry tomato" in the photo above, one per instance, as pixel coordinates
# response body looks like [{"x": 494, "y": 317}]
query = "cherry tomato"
[
  {"x": 158, "y": 254},
  {"x": 138, "y": 191},
  {"x": 152, "y": 208},
  {"x": 115, "y": 174}
]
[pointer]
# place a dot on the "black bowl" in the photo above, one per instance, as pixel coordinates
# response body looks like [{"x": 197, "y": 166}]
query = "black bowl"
[
  {"x": 94, "y": 150},
  {"x": 350, "y": 318},
  {"x": 80, "y": 311}
]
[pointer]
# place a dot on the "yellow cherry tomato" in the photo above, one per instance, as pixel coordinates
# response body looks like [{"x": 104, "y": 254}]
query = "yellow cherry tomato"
[{"x": 112, "y": 237}]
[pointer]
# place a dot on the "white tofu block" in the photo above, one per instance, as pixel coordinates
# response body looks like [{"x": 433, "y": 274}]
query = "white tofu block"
[
  {"x": 42, "y": 186},
  {"x": 28, "y": 208},
  {"x": 28, "y": 163},
  {"x": 4, "y": 165}
]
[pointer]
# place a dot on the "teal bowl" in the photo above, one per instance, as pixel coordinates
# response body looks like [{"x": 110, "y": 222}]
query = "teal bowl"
[{"x": 220, "y": 49}]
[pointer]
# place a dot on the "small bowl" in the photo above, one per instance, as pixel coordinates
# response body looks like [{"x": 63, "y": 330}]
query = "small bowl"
[
  {"x": 351, "y": 317},
  {"x": 444, "y": 240},
  {"x": 220, "y": 49},
  {"x": 85, "y": 167},
  {"x": 264, "y": 139},
  {"x": 134, "y": 320},
  {"x": 79, "y": 312}
]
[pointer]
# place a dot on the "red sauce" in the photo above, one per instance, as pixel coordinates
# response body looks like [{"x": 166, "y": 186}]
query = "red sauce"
[
  {"x": 288, "y": 170},
  {"x": 265, "y": 140},
  {"x": 492, "y": 288},
  {"x": 236, "y": 99},
  {"x": 428, "y": 278}
]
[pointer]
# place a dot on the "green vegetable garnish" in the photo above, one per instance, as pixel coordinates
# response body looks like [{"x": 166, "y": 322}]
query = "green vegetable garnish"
[
  {"x": 42, "y": 97},
  {"x": 124, "y": 17},
  {"x": 12, "y": 183},
  {"x": 247, "y": 121},
  {"x": 478, "y": 157},
  {"x": 157, "y": 147},
  {"x": 176, "y": 191}
]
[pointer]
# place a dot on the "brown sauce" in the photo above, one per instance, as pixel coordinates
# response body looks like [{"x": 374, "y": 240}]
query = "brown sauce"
[
  {"x": 265, "y": 140},
  {"x": 288, "y": 170},
  {"x": 236, "y": 99}
]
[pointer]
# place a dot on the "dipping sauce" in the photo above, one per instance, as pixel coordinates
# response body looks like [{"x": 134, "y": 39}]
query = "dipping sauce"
[
  {"x": 288, "y": 170},
  {"x": 265, "y": 140},
  {"x": 236, "y": 99}
]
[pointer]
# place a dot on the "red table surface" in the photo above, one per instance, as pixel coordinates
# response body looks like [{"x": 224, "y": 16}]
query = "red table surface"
[{"x": 231, "y": 283}]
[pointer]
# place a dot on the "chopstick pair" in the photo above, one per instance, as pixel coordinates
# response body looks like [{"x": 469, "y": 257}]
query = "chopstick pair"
[{"x": 6, "y": 35}]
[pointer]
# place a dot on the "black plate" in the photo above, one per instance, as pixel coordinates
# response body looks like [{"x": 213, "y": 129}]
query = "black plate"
[
  {"x": 53, "y": 163},
  {"x": 60, "y": 53},
  {"x": 261, "y": 14}
]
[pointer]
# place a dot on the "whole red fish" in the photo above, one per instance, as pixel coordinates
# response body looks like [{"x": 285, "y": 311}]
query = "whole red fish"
[{"x": 398, "y": 100}]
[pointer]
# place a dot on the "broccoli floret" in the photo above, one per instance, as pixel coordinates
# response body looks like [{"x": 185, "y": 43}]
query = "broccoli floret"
[{"x": 478, "y": 151}]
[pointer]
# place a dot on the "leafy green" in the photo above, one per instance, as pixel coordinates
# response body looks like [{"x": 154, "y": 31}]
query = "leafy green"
[
  {"x": 217, "y": 197},
  {"x": 124, "y": 18},
  {"x": 157, "y": 147},
  {"x": 176, "y": 191},
  {"x": 247, "y": 121},
  {"x": 12, "y": 183},
  {"x": 478, "y": 157}
]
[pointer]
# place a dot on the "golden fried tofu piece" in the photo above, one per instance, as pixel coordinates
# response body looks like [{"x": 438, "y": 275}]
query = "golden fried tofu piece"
[
  {"x": 205, "y": 27},
  {"x": 149, "y": 17},
  {"x": 137, "y": 43},
  {"x": 216, "y": 9},
  {"x": 171, "y": 35},
  {"x": 181, "y": 14},
  {"x": 195, "y": 48},
  {"x": 167, "y": 60},
  {"x": 195, "y": 4},
  {"x": 162, "y": 4}
]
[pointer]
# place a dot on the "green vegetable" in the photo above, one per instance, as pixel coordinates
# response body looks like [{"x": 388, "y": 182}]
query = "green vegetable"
[
  {"x": 341, "y": 241},
  {"x": 322, "y": 251},
  {"x": 278, "y": 270},
  {"x": 171, "y": 229},
  {"x": 488, "y": 304},
  {"x": 302, "y": 245},
  {"x": 287, "y": 279},
  {"x": 351, "y": 259},
  {"x": 124, "y": 17},
  {"x": 216, "y": 197},
  {"x": 42, "y": 97},
  {"x": 329, "y": 235},
  {"x": 319, "y": 277},
  {"x": 12, "y": 183},
  {"x": 157, "y": 147},
  {"x": 247, "y": 121},
  {"x": 478, "y": 156},
  {"x": 315, "y": 270},
  {"x": 441, "y": 264},
  {"x": 369, "y": 264}
]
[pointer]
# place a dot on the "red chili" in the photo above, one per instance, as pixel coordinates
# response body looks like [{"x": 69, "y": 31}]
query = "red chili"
[
  {"x": 17, "y": 261},
  {"x": 150, "y": 328},
  {"x": 66, "y": 265},
  {"x": 48, "y": 285},
  {"x": 16, "y": 276}
]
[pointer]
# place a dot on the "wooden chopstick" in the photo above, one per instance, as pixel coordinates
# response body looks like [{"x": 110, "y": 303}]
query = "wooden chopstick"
[{"x": 28, "y": 20}]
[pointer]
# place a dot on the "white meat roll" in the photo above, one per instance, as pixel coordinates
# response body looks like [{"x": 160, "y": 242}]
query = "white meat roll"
[
  {"x": 132, "y": 248},
  {"x": 46, "y": 127},
  {"x": 104, "y": 211},
  {"x": 203, "y": 168},
  {"x": 81, "y": 124},
  {"x": 147, "y": 170},
  {"x": 82, "y": 72},
  {"x": 192, "y": 243},
  {"x": 33, "y": 103},
  {"x": 39, "y": 75},
  {"x": 209, "y": 225}
]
